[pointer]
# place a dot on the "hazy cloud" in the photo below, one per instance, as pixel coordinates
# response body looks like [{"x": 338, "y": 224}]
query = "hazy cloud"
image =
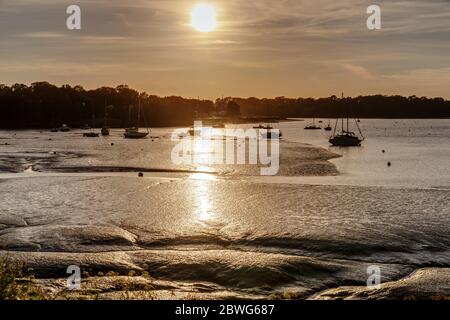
[{"x": 261, "y": 48}]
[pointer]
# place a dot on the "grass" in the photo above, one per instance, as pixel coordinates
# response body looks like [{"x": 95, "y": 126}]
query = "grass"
[{"x": 14, "y": 284}]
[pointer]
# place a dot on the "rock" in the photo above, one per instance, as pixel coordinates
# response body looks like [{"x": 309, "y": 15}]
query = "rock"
[
  {"x": 11, "y": 220},
  {"x": 423, "y": 284}
]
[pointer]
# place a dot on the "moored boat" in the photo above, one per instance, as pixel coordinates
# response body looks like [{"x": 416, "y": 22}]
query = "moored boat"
[
  {"x": 133, "y": 132},
  {"x": 313, "y": 126},
  {"x": 272, "y": 134},
  {"x": 64, "y": 128},
  {"x": 105, "y": 131},
  {"x": 263, "y": 127},
  {"x": 91, "y": 135},
  {"x": 345, "y": 137}
]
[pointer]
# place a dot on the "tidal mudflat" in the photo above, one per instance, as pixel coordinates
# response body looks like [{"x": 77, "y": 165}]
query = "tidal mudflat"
[{"x": 223, "y": 231}]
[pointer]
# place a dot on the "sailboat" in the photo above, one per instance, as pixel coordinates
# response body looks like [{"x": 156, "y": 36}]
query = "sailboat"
[
  {"x": 272, "y": 134},
  {"x": 328, "y": 127},
  {"x": 346, "y": 138},
  {"x": 92, "y": 134},
  {"x": 313, "y": 126},
  {"x": 105, "y": 130},
  {"x": 268, "y": 132},
  {"x": 64, "y": 128},
  {"x": 264, "y": 127},
  {"x": 134, "y": 133}
]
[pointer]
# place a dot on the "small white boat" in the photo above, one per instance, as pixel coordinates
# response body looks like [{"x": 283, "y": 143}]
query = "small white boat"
[{"x": 64, "y": 128}]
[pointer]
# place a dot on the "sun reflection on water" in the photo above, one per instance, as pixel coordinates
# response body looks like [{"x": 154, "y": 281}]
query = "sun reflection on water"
[
  {"x": 203, "y": 176},
  {"x": 203, "y": 196}
]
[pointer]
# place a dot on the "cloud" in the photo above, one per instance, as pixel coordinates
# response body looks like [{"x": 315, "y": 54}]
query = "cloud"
[
  {"x": 281, "y": 47},
  {"x": 42, "y": 35},
  {"x": 358, "y": 71}
]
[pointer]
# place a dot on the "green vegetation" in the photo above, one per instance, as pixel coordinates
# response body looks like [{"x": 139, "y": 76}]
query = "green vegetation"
[{"x": 14, "y": 284}]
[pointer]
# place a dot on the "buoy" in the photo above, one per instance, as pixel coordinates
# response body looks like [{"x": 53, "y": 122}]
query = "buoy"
[
  {"x": 112, "y": 143},
  {"x": 384, "y": 151},
  {"x": 54, "y": 152},
  {"x": 140, "y": 175},
  {"x": 389, "y": 164}
]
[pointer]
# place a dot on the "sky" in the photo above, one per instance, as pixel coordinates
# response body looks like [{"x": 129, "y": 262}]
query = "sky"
[{"x": 261, "y": 48}]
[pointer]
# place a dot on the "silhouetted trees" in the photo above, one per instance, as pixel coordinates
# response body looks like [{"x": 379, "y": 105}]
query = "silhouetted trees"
[
  {"x": 43, "y": 105},
  {"x": 376, "y": 106}
]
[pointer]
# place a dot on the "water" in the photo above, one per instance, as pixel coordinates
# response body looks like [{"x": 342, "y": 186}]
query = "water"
[
  {"x": 418, "y": 151},
  {"x": 233, "y": 231}
]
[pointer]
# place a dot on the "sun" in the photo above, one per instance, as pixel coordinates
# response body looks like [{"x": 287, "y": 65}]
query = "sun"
[{"x": 204, "y": 17}]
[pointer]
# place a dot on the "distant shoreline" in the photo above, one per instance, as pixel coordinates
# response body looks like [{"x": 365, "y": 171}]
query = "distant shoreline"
[
  {"x": 231, "y": 121},
  {"x": 44, "y": 105}
]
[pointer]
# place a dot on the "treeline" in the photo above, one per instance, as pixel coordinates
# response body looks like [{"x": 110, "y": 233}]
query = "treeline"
[
  {"x": 43, "y": 105},
  {"x": 376, "y": 106}
]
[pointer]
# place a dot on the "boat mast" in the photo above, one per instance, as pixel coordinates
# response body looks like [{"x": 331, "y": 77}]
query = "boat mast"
[
  {"x": 139, "y": 110},
  {"x": 105, "y": 119},
  {"x": 342, "y": 104}
]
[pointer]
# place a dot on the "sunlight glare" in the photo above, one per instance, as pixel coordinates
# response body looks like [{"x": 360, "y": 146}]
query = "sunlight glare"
[{"x": 204, "y": 18}]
